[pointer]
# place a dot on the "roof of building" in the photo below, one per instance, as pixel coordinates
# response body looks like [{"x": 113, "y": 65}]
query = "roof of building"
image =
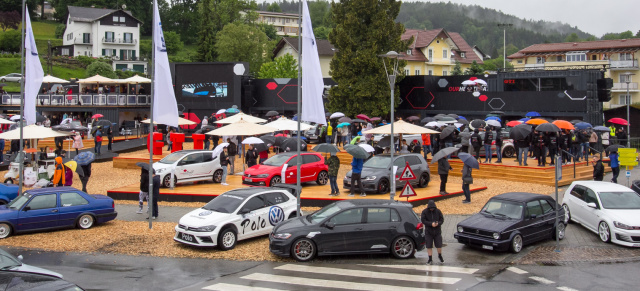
[
  {"x": 88, "y": 14},
  {"x": 423, "y": 38},
  {"x": 325, "y": 48},
  {"x": 278, "y": 13},
  {"x": 598, "y": 46}
]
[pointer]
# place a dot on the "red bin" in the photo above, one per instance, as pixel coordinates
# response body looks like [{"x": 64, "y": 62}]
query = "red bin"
[{"x": 198, "y": 141}]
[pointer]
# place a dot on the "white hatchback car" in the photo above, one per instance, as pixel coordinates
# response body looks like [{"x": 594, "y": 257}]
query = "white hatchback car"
[
  {"x": 189, "y": 166},
  {"x": 608, "y": 209},
  {"x": 237, "y": 215}
]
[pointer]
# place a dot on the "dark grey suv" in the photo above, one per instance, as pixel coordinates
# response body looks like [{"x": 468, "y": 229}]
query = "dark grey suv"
[{"x": 376, "y": 170}]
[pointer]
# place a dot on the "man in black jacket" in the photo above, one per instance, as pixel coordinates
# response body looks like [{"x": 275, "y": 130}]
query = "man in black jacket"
[
  {"x": 232, "y": 150},
  {"x": 598, "y": 169},
  {"x": 144, "y": 190},
  {"x": 433, "y": 219}
]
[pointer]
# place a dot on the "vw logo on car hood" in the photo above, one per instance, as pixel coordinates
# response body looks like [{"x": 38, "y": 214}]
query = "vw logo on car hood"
[{"x": 276, "y": 215}]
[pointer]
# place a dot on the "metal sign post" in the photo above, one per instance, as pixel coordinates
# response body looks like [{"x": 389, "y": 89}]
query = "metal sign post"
[{"x": 558, "y": 177}]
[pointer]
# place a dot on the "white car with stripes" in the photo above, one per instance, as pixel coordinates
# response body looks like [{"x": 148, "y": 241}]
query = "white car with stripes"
[{"x": 236, "y": 215}]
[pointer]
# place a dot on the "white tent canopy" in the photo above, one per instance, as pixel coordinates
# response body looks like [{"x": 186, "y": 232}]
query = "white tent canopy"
[
  {"x": 181, "y": 121},
  {"x": 52, "y": 79},
  {"x": 33, "y": 132},
  {"x": 284, "y": 123},
  {"x": 4, "y": 121},
  {"x": 241, "y": 116},
  {"x": 136, "y": 79},
  {"x": 243, "y": 128},
  {"x": 400, "y": 127},
  {"x": 97, "y": 79}
]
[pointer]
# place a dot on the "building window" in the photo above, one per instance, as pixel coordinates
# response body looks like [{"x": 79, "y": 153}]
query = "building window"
[
  {"x": 288, "y": 20},
  {"x": 128, "y": 37},
  {"x": 625, "y": 78},
  {"x": 444, "y": 73},
  {"x": 540, "y": 60},
  {"x": 65, "y": 52},
  {"x": 558, "y": 58},
  {"x": 417, "y": 72},
  {"x": 430, "y": 72},
  {"x": 409, "y": 52},
  {"x": 86, "y": 38},
  {"x": 108, "y": 52},
  {"x": 109, "y": 36},
  {"x": 576, "y": 57},
  {"x": 406, "y": 72},
  {"x": 445, "y": 53},
  {"x": 70, "y": 36},
  {"x": 430, "y": 54},
  {"x": 519, "y": 61},
  {"x": 626, "y": 56},
  {"x": 462, "y": 55},
  {"x": 622, "y": 99},
  {"x": 127, "y": 55}
]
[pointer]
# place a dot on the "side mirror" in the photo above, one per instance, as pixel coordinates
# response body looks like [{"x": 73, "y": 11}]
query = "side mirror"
[
  {"x": 20, "y": 258},
  {"x": 244, "y": 211},
  {"x": 329, "y": 225},
  {"x": 592, "y": 205},
  {"x": 26, "y": 208}
]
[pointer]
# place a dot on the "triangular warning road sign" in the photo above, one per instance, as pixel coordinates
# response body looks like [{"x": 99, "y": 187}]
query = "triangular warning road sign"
[
  {"x": 408, "y": 191},
  {"x": 407, "y": 174}
]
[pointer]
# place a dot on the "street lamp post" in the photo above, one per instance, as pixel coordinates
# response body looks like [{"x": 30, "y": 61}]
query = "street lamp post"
[
  {"x": 391, "y": 77},
  {"x": 504, "y": 42},
  {"x": 628, "y": 101}
]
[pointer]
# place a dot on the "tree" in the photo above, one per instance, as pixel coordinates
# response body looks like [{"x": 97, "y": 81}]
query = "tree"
[
  {"x": 181, "y": 16},
  {"x": 363, "y": 30},
  {"x": 102, "y": 69},
  {"x": 474, "y": 69},
  {"x": 457, "y": 69},
  {"x": 9, "y": 20},
  {"x": 172, "y": 42},
  {"x": 572, "y": 38},
  {"x": 10, "y": 41},
  {"x": 274, "y": 7},
  {"x": 321, "y": 32},
  {"x": 60, "y": 30},
  {"x": 626, "y": 35},
  {"x": 269, "y": 30},
  {"x": 282, "y": 67},
  {"x": 207, "y": 41},
  {"x": 495, "y": 64},
  {"x": 239, "y": 42}
]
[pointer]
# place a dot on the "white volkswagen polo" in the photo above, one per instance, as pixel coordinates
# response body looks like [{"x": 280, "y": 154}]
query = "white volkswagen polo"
[
  {"x": 608, "y": 209},
  {"x": 236, "y": 215}
]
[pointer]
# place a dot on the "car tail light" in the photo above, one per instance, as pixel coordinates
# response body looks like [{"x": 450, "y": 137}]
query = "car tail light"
[{"x": 420, "y": 226}]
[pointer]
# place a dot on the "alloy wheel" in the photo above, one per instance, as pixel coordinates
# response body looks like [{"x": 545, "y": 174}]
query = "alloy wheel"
[{"x": 603, "y": 231}]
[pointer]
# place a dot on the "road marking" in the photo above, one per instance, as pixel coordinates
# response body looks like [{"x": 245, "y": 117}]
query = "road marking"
[
  {"x": 517, "y": 271},
  {"x": 542, "y": 280},
  {"x": 233, "y": 287},
  {"x": 368, "y": 274},
  {"x": 564, "y": 288},
  {"x": 434, "y": 268},
  {"x": 328, "y": 283}
]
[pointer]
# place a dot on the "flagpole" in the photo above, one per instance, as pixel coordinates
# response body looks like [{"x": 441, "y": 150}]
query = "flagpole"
[
  {"x": 150, "y": 142},
  {"x": 298, "y": 172},
  {"x": 22, "y": 99}
]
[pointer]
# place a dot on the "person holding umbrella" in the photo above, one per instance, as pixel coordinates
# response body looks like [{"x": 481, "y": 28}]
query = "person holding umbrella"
[
  {"x": 426, "y": 144},
  {"x": 231, "y": 154},
  {"x": 224, "y": 162},
  {"x": 540, "y": 149},
  {"x": 488, "y": 139},
  {"x": 84, "y": 160},
  {"x": 334, "y": 165},
  {"x": 97, "y": 140},
  {"x": 251, "y": 156},
  {"x": 615, "y": 165},
  {"x": 59, "y": 175},
  {"x": 465, "y": 136},
  {"x": 598, "y": 168},
  {"x": 443, "y": 170},
  {"x": 356, "y": 171},
  {"x": 77, "y": 142},
  {"x": 109, "y": 131},
  {"x": 476, "y": 142},
  {"x": 469, "y": 163},
  {"x": 498, "y": 138}
]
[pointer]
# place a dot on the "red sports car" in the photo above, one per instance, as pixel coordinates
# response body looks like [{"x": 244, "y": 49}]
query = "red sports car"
[{"x": 271, "y": 171}]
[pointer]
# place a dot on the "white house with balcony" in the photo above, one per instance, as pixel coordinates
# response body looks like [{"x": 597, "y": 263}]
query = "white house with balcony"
[{"x": 99, "y": 32}]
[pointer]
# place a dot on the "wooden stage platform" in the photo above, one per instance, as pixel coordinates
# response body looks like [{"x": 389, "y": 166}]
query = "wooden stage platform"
[{"x": 312, "y": 194}]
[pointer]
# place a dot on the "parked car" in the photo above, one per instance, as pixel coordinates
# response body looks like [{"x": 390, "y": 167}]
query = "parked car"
[
  {"x": 511, "y": 220},
  {"x": 13, "y": 77},
  {"x": 11, "y": 263},
  {"x": 236, "y": 215},
  {"x": 351, "y": 227},
  {"x": 190, "y": 166},
  {"x": 608, "y": 209},
  {"x": 312, "y": 134},
  {"x": 270, "y": 172},
  {"x": 54, "y": 208},
  {"x": 375, "y": 172},
  {"x": 12, "y": 280},
  {"x": 8, "y": 192}
]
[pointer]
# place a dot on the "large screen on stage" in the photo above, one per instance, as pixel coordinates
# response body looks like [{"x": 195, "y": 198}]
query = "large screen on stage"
[
  {"x": 207, "y": 89},
  {"x": 207, "y": 86}
]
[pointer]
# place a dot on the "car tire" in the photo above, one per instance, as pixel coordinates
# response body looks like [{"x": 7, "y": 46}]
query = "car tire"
[
  {"x": 227, "y": 239},
  {"x": 424, "y": 180},
  {"x": 293, "y": 215},
  {"x": 5, "y": 230},
  {"x": 323, "y": 177},
  {"x": 85, "y": 221},
  {"x": 559, "y": 231},
  {"x": 516, "y": 244},
  {"x": 509, "y": 152},
  {"x": 604, "y": 232},
  {"x": 3, "y": 80},
  {"x": 8, "y": 181},
  {"x": 166, "y": 181},
  {"x": 567, "y": 214},
  {"x": 403, "y": 247},
  {"x": 303, "y": 250},
  {"x": 217, "y": 176},
  {"x": 383, "y": 186},
  {"x": 274, "y": 180},
  {"x": 2, "y": 202}
]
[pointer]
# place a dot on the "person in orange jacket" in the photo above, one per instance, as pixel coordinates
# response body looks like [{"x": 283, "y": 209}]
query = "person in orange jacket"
[
  {"x": 426, "y": 144},
  {"x": 59, "y": 173}
]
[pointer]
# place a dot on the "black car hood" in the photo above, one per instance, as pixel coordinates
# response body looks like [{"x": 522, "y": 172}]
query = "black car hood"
[
  {"x": 486, "y": 222},
  {"x": 293, "y": 224}
]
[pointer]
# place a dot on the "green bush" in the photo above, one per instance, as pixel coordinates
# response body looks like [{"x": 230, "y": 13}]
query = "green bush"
[
  {"x": 100, "y": 68},
  {"x": 60, "y": 30},
  {"x": 85, "y": 61},
  {"x": 10, "y": 41}
]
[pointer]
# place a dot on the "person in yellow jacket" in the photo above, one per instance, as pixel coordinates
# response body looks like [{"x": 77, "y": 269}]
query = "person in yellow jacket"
[
  {"x": 329, "y": 132},
  {"x": 59, "y": 173}
]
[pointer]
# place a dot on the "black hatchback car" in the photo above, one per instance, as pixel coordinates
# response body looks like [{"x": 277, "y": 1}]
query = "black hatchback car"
[
  {"x": 351, "y": 227},
  {"x": 511, "y": 220}
]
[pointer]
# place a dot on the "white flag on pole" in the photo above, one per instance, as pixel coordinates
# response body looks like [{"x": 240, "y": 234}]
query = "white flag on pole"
[
  {"x": 165, "y": 107},
  {"x": 312, "y": 83},
  {"x": 33, "y": 73}
]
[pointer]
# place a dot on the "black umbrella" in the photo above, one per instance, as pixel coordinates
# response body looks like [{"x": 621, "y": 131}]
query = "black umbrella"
[
  {"x": 575, "y": 121},
  {"x": 447, "y": 131},
  {"x": 496, "y": 112},
  {"x": 463, "y": 121},
  {"x": 384, "y": 142},
  {"x": 326, "y": 148},
  {"x": 454, "y": 116},
  {"x": 144, "y": 166},
  {"x": 613, "y": 148},
  {"x": 261, "y": 147},
  {"x": 357, "y": 152},
  {"x": 413, "y": 118},
  {"x": 440, "y": 115},
  {"x": 40, "y": 118},
  {"x": 268, "y": 139},
  {"x": 327, "y": 114},
  {"x": 427, "y": 120},
  {"x": 292, "y": 144},
  {"x": 478, "y": 123},
  {"x": 547, "y": 127},
  {"x": 469, "y": 160},
  {"x": 279, "y": 140},
  {"x": 104, "y": 123},
  {"x": 520, "y": 131},
  {"x": 345, "y": 119},
  {"x": 443, "y": 153},
  {"x": 69, "y": 127},
  {"x": 357, "y": 120},
  {"x": 272, "y": 113},
  {"x": 208, "y": 128}
]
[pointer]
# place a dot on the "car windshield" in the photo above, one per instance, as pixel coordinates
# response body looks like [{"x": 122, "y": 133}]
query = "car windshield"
[
  {"x": 172, "y": 158},
  {"x": 19, "y": 201},
  {"x": 378, "y": 162},
  {"x": 324, "y": 213},
  {"x": 225, "y": 203},
  {"x": 7, "y": 261},
  {"x": 277, "y": 160},
  {"x": 620, "y": 200},
  {"x": 502, "y": 208}
]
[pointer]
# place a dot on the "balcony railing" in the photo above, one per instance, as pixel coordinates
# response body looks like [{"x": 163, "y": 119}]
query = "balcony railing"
[
  {"x": 82, "y": 100},
  {"x": 623, "y": 86},
  {"x": 119, "y": 41},
  {"x": 82, "y": 41},
  {"x": 624, "y": 64}
]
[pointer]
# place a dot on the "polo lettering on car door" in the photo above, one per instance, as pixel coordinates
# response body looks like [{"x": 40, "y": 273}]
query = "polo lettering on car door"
[{"x": 256, "y": 221}]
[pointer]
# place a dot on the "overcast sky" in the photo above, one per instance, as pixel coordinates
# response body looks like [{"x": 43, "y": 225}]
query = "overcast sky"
[{"x": 592, "y": 16}]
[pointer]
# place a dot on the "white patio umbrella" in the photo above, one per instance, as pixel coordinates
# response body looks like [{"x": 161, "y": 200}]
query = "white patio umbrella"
[
  {"x": 493, "y": 123},
  {"x": 4, "y": 121},
  {"x": 136, "y": 79},
  {"x": 33, "y": 132},
  {"x": 242, "y": 127},
  {"x": 336, "y": 115},
  {"x": 181, "y": 121},
  {"x": 238, "y": 117},
  {"x": 96, "y": 79},
  {"x": 252, "y": 140},
  {"x": 284, "y": 123},
  {"x": 14, "y": 118},
  {"x": 400, "y": 127},
  {"x": 51, "y": 79},
  {"x": 221, "y": 111}
]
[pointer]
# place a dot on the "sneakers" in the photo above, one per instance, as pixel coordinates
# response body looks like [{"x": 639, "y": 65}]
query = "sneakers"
[
  {"x": 351, "y": 195},
  {"x": 430, "y": 262},
  {"x": 443, "y": 193},
  {"x": 224, "y": 184},
  {"x": 363, "y": 195},
  {"x": 441, "y": 259},
  {"x": 466, "y": 201},
  {"x": 139, "y": 211},
  {"x": 153, "y": 217}
]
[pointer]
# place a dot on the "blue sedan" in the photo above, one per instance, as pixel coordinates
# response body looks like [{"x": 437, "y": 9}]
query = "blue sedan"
[
  {"x": 8, "y": 192},
  {"x": 52, "y": 208}
]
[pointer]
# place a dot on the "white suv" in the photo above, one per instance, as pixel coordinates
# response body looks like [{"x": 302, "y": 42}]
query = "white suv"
[{"x": 189, "y": 166}]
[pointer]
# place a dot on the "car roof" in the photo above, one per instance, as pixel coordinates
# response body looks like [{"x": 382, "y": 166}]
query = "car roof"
[
  {"x": 193, "y": 151},
  {"x": 521, "y": 196},
  {"x": 249, "y": 191},
  {"x": 291, "y": 154},
  {"x": 371, "y": 202},
  {"x": 599, "y": 186},
  {"x": 398, "y": 155},
  {"x": 49, "y": 190}
]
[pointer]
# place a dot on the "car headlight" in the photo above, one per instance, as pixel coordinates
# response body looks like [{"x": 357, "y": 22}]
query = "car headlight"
[
  {"x": 369, "y": 178},
  {"x": 347, "y": 178},
  {"x": 262, "y": 176},
  {"x": 460, "y": 229},
  {"x": 158, "y": 171},
  {"x": 208, "y": 228},
  {"x": 282, "y": 235},
  {"x": 622, "y": 225},
  {"x": 496, "y": 235}
]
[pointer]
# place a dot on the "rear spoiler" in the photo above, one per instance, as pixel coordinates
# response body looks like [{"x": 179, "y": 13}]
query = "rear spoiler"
[{"x": 293, "y": 189}]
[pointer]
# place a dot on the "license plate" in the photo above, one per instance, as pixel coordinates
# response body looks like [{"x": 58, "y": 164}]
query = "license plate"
[
  {"x": 487, "y": 247},
  {"x": 187, "y": 237},
  {"x": 636, "y": 245},
  {"x": 249, "y": 180}
]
